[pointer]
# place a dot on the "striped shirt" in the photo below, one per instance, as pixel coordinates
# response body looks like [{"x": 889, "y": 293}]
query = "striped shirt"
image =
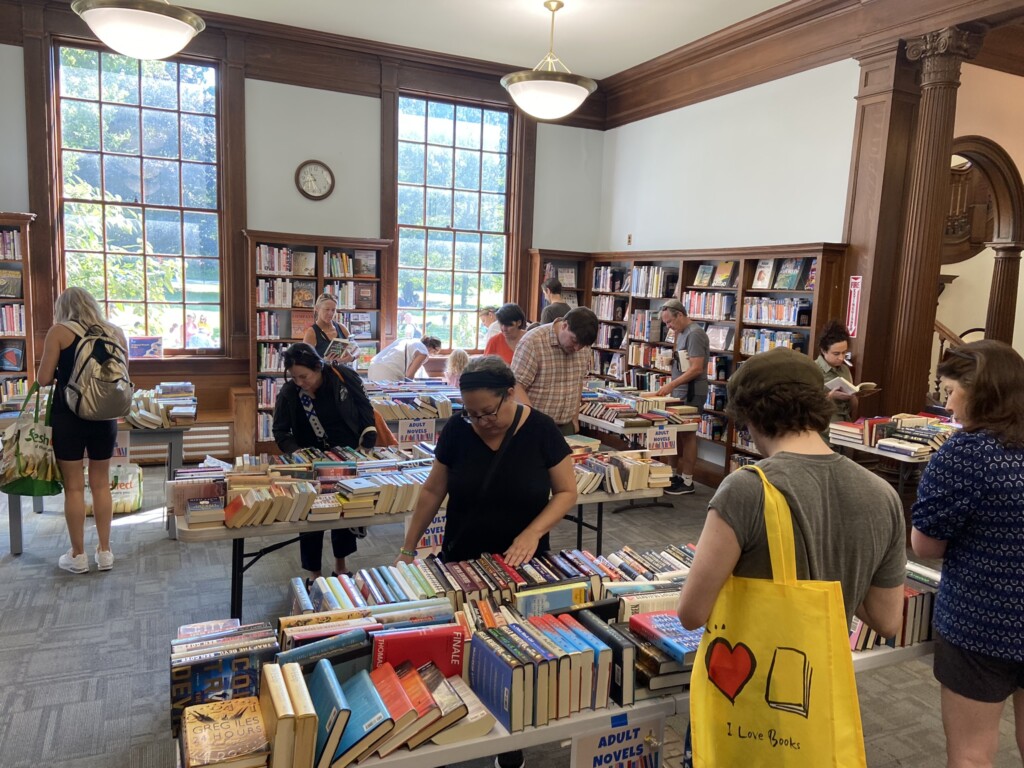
[
  {"x": 553, "y": 378},
  {"x": 972, "y": 496}
]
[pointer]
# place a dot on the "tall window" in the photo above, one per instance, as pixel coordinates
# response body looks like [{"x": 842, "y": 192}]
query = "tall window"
[
  {"x": 138, "y": 165},
  {"x": 452, "y": 218}
]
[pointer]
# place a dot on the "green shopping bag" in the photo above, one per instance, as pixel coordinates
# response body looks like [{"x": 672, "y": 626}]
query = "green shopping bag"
[{"x": 27, "y": 464}]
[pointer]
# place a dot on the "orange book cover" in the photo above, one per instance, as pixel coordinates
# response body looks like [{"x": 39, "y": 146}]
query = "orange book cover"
[{"x": 423, "y": 703}]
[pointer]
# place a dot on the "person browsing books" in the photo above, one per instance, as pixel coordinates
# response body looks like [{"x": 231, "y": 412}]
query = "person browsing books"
[
  {"x": 689, "y": 383},
  {"x": 847, "y": 522},
  {"x": 457, "y": 361},
  {"x": 74, "y": 437},
  {"x": 551, "y": 364},
  {"x": 512, "y": 321},
  {"x": 557, "y": 306},
  {"x": 320, "y": 406},
  {"x": 833, "y": 345},
  {"x": 402, "y": 358},
  {"x": 970, "y": 512},
  {"x": 489, "y": 322},
  {"x": 325, "y": 328}
]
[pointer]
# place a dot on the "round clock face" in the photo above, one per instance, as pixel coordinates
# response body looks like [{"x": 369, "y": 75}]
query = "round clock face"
[{"x": 314, "y": 179}]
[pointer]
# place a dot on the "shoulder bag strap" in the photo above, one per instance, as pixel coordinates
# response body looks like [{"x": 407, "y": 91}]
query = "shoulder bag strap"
[
  {"x": 314, "y": 420},
  {"x": 778, "y": 521}
]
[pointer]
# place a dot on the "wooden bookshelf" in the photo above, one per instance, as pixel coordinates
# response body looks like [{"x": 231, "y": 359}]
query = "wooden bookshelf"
[
  {"x": 545, "y": 263},
  {"x": 286, "y": 274},
  {"x": 17, "y": 345}
]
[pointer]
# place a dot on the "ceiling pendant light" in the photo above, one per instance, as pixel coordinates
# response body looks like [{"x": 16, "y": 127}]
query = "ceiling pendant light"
[
  {"x": 549, "y": 90},
  {"x": 142, "y": 29}
]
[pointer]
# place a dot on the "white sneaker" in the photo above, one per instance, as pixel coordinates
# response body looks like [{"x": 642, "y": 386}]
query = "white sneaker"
[
  {"x": 104, "y": 560},
  {"x": 74, "y": 563}
]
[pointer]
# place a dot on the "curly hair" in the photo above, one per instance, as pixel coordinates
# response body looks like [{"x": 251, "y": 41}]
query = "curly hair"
[
  {"x": 833, "y": 333},
  {"x": 992, "y": 373},
  {"x": 783, "y": 409}
]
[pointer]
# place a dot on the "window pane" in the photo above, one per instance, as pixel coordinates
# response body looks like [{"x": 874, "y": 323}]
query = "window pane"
[
  {"x": 198, "y": 138},
  {"x": 411, "y": 247},
  {"x": 492, "y": 213},
  {"x": 163, "y": 231},
  {"x": 467, "y": 169},
  {"x": 438, "y": 326},
  {"x": 163, "y": 279},
  {"x": 161, "y": 182},
  {"x": 492, "y": 289},
  {"x": 81, "y": 172},
  {"x": 440, "y": 123},
  {"x": 199, "y": 185},
  {"x": 79, "y": 73},
  {"x": 131, "y": 317},
  {"x": 464, "y": 330},
  {"x": 124, "y": 229},
  {"x": 410, "y": 162},
  {"x": 412, "y": 114},
  {"x": 439, "y": 208},
  {"x": 493, "y": 253},
  {"x": 202, "y": 280},
  {"x": 465, "y": 293},
  {"x": 495, "y": 131},
  {"x": 121, "y": 178},
  {"x": 493, "y": 177},
  {"x": 198, "y": 89},
  {"x": 467, "y": 210},
  {"x": 85, "y": 270},
  {"x": 439, "y": 250},
  {"x": 201, "y": 234},
  {"x": 83, "y": 226},
  {"x": 165, "y": 320},
  {"x": 206, "y": 331},
  {"x": 80, "y": 125},
  {"x": 467, "y": 127},
  {"x": 160, "y": 84},
  {"x": 439, "y": 289},
  {"x": 439, "y": 166},
  {"x": 121, "y": 129},
  {"x": 120, "y": 80},
  {"x": 410, "y": 288},
  {"x": 410, "y": 205},
  {"x": 159, "y": 133},
  {"x": 467, "y": 251},
  {"x": 125, "y": 278}
]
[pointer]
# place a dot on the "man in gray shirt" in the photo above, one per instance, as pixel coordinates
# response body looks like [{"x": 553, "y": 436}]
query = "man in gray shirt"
[{"x": 847, "y": 523}]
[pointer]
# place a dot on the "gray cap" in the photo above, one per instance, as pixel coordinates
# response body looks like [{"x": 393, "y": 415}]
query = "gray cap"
[{"x": 767, "y": 370}]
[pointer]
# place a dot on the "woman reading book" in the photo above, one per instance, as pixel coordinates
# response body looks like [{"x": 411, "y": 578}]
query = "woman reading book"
[
  {"x": 970, "y": 512},
  {"x": 325, "y": 328},
  {"x": 320, "y": 406},
  {"x": 833, "y": 345}
]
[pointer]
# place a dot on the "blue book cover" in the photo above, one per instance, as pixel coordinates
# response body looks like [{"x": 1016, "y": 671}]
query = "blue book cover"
[
  {"x": 385, "y": 587},
  {"x": 664, "y": 630},
  {"x": 369, "y": 723},
  {"x": 332, "y": 711},
  {"x": 497, "y": 678},
  {"x": 392, "y": 582},
  {"x": 322, "y": 648}
]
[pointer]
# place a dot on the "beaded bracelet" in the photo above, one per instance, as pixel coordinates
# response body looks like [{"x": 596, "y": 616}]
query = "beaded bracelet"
[{"x": 406, "y": 552}]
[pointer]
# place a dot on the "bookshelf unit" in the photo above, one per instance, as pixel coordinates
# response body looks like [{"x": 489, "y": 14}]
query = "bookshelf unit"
[
  {"x": 567, "y": 266},
  {"x": 17, "y": 347},
  {"x": 287, "y": 272},
  {"x": 717, "y": 286}
]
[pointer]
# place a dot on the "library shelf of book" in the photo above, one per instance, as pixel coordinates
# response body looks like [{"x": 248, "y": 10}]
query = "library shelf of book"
[
  {"x": 747, "y": 300},
  {"x": 287, "y": 273},
  {"x": 17, "y": 348},
  {"x": 572, "y": 268}
]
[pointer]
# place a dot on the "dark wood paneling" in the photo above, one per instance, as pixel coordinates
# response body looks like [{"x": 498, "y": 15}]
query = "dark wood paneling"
[
  {"x": 389, "y": 198},
  {"x": 10, "y": 24},
  {"x": 312, "y": 65},
  {"x": 235, "y": 293},
  {"x": 523, "y": 182}
]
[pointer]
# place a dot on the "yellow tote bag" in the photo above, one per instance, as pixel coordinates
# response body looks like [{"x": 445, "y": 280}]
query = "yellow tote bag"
[{"x": 773, "y": 682}]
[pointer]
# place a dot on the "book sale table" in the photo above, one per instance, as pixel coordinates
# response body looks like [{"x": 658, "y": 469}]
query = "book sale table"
[{"x": 907, "y": 464}]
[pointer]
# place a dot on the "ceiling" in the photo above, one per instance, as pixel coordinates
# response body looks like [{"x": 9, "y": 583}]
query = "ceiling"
[{"x": 596, "y": 38}]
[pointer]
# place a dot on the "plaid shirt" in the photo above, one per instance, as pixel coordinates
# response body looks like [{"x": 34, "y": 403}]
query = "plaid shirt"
[{"x": 552, "y": 377}]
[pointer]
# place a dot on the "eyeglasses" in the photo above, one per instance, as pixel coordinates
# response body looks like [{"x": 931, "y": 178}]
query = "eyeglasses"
[{"x": 469, "y": 418}]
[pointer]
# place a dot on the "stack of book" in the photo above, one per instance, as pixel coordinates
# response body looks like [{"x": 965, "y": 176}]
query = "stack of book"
[
  {"x": 230, "y": 733},
  {"x": 170, "y": 404}
]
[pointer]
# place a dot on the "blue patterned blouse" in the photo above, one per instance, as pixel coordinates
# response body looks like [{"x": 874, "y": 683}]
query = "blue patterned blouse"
[{"x": 972, "y": 496}]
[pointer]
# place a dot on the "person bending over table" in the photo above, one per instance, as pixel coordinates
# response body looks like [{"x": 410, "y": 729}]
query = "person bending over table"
[
  {"x": 321, "y": 406},
  {"x": 402, "y": 358}
]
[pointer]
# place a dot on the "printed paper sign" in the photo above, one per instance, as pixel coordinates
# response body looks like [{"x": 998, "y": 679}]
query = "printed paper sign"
[
  {"x": 853, "y": 307},
  {"x": 430, "y": 541},
  {"x": 412, "y": 431},
  {"x": 661, "y": 441},
  {"x": 622, "y": 742}
]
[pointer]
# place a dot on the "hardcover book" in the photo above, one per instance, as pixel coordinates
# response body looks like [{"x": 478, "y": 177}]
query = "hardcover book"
[
  {"x": 704, "y": 274},
  {"x": 231, "y": 674},
  {"x": 449, "y": 703},
  {"x": 477, "y": 723},
  {"x": 443, "y": 644},
  {"x": 623, "y": 682},
  {"x": 788, "y": 278},
  {"x": 664, "y": 630},
  {"x": 498, "y": 679},
  {"x": 304, "y": 263},
  {"x": 724, "y": 274},
  {"x": 426, "y": 708},
  {"x": 305, "y": 716},
  {"x": 364, "y": 263},
  {"x": 278, "y": 716},
  {"x": 366, "y": 296},
  {"x": 369, "y": 722},
  {"x": 303, "y": 293},
  {"x": 332, "y": 711},
  {"x": 400, "y": 706},
  {"x": 763, "y": 273},
  {"x": 225, "y": 732}
]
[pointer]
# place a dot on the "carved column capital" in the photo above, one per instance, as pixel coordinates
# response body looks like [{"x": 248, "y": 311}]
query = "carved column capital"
[{"x": 941, "y": 53}]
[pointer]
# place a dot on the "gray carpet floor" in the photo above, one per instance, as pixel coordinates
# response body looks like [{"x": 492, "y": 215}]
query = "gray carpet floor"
[{"x": 83, "y": 658}]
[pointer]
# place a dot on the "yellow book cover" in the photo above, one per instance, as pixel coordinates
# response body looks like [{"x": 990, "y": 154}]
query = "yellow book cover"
[{"x": 220, "y": 731}]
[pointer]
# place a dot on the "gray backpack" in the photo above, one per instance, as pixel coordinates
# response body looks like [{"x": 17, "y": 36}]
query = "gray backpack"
[{"x": 99, "y": 388}]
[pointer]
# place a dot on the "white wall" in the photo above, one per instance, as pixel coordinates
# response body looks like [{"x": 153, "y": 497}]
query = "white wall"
[
  {"x": 285, "y": 125},
  {"x": 989, "y": 104},
  {"x": 766, "y": 165},
  {"x": 14, "y": 157},
  {"x": 567, "y": 196}
]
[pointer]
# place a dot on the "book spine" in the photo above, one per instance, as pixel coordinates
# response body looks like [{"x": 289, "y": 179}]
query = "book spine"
[{"x": 514, "y": 576}]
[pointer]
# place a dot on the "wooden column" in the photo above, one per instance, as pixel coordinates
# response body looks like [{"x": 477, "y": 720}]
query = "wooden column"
[
  {"x": 887, "y": 100},
  {"x": 1002, "y": 298},
  {"x": 917, "y": 274}
]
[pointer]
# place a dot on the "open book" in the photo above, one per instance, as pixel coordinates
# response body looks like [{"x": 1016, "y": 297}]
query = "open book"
[
  {"x": 338, "y": 347},
  {"x": 863, "y": 389}
]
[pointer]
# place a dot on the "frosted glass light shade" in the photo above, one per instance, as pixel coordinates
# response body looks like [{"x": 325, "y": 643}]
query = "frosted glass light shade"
[
  {"x": 547, "y": 95},
  {"x": 142, "y": 29}
]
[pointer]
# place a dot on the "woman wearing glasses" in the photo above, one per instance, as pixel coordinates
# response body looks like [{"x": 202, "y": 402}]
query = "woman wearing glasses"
[
  {"x": 501, "y": 498},
  {"x": 970, "y": 512}
]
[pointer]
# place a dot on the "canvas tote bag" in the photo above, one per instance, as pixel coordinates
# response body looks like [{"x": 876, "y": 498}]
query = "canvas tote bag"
[
  {"x": 28, "y": 466},
  {"x": 773, "y": 680}
]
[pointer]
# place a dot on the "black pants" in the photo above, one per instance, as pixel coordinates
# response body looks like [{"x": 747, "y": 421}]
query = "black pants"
[{"x": 311, "y": 547}]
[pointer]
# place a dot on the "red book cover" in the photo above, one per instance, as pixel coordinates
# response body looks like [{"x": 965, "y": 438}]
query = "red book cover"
[
  {"x": 393, "y": 693},
  {"x": 442, "y": 644},
  {"x": 352, "y": 590},
  {"x": 512, "y": 573}
]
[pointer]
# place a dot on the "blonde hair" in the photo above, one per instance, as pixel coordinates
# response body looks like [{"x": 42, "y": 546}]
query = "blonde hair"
[
  {"x": 79, "y": 306},
  {"x": 458, "y": 359},
  {"x": 322, "y": 299}
]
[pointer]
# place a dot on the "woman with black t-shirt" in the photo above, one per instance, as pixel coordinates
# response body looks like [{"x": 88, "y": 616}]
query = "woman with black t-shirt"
[{"x": 325, "y": 328}]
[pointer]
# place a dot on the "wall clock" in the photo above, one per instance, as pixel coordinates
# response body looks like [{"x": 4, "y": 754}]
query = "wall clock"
[{"x": 314, "y": 179}]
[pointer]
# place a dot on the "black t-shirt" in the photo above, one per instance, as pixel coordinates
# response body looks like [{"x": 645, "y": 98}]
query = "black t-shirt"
[
  {"x": 518, "y": 492},
  {"x": 322, "y": 342}
]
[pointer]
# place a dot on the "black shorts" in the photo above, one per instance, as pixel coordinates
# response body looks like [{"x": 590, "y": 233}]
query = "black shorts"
[
  {"x": 976, "y": 676},
  {"x": 73, "y": 437}
]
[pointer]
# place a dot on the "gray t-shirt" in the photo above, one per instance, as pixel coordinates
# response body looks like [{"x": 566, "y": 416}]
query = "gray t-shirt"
[
  {"x": 847, "y": 522},
  {"x": 695, "y": 343}
]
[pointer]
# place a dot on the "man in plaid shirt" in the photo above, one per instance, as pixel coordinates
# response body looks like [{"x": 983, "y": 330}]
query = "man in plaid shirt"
[{"x": 551, "y": 364}]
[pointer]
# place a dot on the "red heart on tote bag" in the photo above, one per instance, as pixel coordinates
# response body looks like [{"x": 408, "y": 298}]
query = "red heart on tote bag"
[{"x": 729, "y": 667}]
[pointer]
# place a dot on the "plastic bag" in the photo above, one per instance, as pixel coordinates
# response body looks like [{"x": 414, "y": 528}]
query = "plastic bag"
[
  {"x": 27, "y": 465},
  {"x": 125, "y": 488}
]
